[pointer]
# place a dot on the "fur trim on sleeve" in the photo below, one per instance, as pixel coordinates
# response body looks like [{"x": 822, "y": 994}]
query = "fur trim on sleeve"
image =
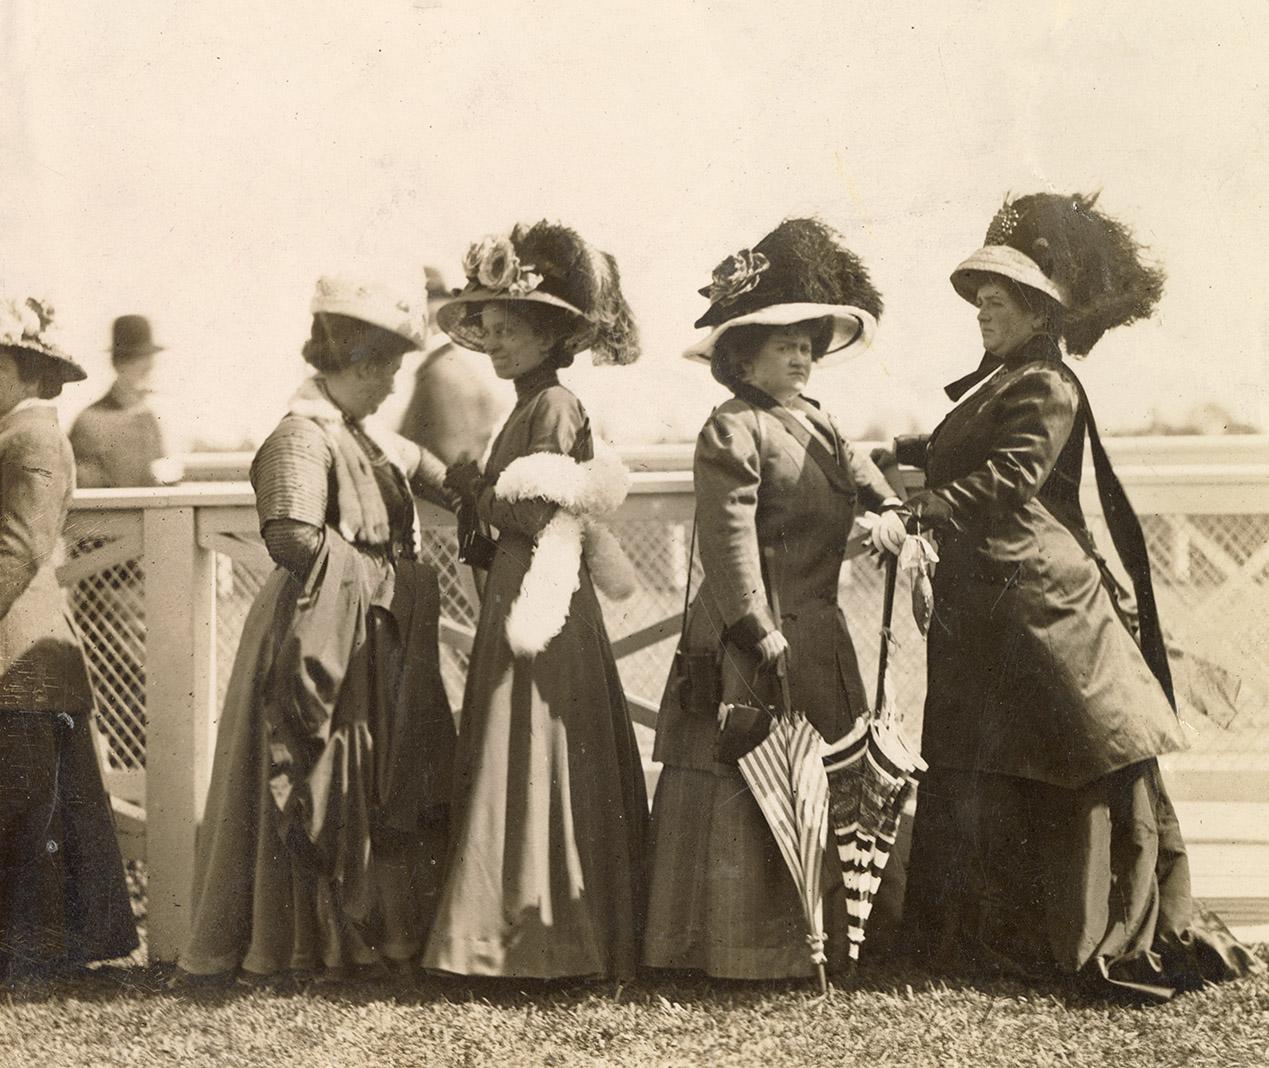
[{"x": 584, "y": 492}]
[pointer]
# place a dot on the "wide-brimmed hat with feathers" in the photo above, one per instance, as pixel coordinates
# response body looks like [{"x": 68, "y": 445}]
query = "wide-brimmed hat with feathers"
[
  {"x": 26, "y": 325},
  {"x": 801, "y": 270},
  {"x": 546, "y": 263},
  {"x": 1063, "y": 247}
]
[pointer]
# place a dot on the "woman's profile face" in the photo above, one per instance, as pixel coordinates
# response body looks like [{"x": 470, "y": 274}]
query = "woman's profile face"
[
  {"x": 1005, "y": 322},
  {"x": 12, "y": 388},
  {"x": 377, "y": 380},
  {"x": 514, "y": 347},
  {"x": 782, "y": 365}
]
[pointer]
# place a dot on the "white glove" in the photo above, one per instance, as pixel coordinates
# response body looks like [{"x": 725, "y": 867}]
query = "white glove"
[
  {"x": 888, "y": 533},
  {"x": 167, "y": 470},
  {"x": 773, "y": 646}
]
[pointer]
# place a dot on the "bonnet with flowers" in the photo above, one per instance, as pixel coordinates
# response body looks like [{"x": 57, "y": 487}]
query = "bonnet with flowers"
[{"x": 547, "y": 263}]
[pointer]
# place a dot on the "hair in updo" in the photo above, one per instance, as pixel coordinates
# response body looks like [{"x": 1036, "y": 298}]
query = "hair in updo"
[
  {"x": 737, "y": 347},
  {"x": 37, "y": 370},
  {"x": 337, "y": 342}
]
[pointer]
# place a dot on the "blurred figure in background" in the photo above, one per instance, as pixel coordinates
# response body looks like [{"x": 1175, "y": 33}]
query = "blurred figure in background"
[
  {"x": 117, "y": 440},
  {"x": 456, "y": 400}
]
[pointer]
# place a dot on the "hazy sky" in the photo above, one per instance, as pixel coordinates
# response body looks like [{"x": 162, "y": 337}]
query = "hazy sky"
[{"x": 204, "y": 162}]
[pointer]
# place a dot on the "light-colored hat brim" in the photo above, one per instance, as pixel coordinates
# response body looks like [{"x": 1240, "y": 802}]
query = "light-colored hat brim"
[
  {"x": 853, "y": 329},
  {"x": 454, "y": 317},
  {"x": 67, "y": 369},
  {"x": 1007, "y": 261},
  {"x": 371, "y": 303}
]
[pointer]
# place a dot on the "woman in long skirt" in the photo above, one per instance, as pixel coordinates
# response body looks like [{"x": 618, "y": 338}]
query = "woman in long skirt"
[
  {"x": 1045, "y": 843},
  {"x": 777, "y": 489},
  {"x": 63, "y": 899},
  {"x": 324, "y": 831},
  {"x": 546, "y": 867}
]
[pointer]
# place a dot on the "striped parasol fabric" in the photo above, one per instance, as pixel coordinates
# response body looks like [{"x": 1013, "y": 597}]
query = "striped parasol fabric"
[
  {"x": 871, "y": 772},
  {"x": 786, "y": 777}
]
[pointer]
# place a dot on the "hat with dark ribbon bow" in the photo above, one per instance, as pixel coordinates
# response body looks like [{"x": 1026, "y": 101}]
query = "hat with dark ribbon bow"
[{"x": 800, "y": 271}]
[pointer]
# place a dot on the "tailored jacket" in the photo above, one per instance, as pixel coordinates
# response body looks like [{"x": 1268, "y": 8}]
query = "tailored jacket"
[
  {"x": 1034, "y": 670},
  {"x": 41, "y": 659},
  {"x": 757, "y": 487}
]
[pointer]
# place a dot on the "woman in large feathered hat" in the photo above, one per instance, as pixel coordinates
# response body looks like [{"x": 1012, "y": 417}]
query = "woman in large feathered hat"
[
  {"x": 777, "y": 487},
  {"x": 546, "y": 876},
  {"x": 1044, "y": 841}
]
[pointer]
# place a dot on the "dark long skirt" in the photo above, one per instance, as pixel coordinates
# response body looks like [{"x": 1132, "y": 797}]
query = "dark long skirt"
[
  {"x": 546, "y": 871},
  {"x": 266, "y": 899},
  {"x": 63, "y": 896},
  {"x": 1019, "y": 878}
]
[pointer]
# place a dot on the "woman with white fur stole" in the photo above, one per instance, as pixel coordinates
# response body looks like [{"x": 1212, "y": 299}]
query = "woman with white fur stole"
[
  {"x": 549, "y": 808},
  {"x": 777, "y": 489}
]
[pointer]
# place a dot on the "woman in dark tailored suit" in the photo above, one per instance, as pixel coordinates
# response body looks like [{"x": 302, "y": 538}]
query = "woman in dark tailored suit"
[
  {"x": 773, "y": 475},
  {"x": 63, "y": 898},
  {"x": 1045, "y": 842}
]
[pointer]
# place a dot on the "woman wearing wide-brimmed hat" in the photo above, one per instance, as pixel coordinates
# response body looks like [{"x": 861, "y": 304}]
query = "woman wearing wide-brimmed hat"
[
  {"x": 324, "y": 831},
  {"x": 63, "y": 899},
  {"x": 546, "y": 866},
  {"x": 1044, "y": 840},
  {"x": 777, "y": 488}
]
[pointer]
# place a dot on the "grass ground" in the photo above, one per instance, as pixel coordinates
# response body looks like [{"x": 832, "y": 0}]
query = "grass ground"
[{"x": 127, "y": 1017}]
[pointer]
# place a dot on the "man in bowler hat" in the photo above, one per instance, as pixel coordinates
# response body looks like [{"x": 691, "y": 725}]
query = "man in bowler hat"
[{"x": 117, "y": 440}]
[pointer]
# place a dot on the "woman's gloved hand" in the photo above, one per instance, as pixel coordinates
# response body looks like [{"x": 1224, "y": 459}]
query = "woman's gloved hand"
[
  {"x": 772, "y": 646},
  {"x": 889, "y": 532},
  {"x": 464, "y": 478},
  {"x": 928, "y": 509}
]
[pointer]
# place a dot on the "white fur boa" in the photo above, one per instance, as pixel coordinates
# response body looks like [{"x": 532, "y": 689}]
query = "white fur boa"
[{"x": 584, "y": 493}]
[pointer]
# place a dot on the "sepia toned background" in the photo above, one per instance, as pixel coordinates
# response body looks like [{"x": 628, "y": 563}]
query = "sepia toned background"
[{"x": 203, "y": 162}]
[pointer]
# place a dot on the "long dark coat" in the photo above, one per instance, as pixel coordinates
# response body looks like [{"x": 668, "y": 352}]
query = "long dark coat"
[{"x": 1033, "y": 669}]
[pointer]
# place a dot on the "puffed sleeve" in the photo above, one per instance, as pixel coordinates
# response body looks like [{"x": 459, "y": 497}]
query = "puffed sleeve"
[
  {"x": 555, "y": 423},
  {"x": 1033, "y": 419},
  {"x": 727, "y": 472},
  {"x": 34, "y": 478},
  {"x": 290, "y": 475}
]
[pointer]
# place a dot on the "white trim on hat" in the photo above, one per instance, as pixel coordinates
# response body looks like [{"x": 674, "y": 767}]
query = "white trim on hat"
[
  {"x": 853, "y": 329},
  {"x": 373, "y": 303},
  {"x": 1007, "y": 261},
  {"x": 451, "y": 317}
]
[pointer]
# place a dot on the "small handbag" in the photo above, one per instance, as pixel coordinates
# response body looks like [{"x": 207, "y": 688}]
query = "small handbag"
[{"x": 743, "y": 726}]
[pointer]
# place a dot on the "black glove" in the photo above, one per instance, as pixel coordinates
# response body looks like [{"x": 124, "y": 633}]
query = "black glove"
[
  {"x": 464, "y": 478},
  {"x": 928, "y": 509},
  {"x": 909, "y": 449}
]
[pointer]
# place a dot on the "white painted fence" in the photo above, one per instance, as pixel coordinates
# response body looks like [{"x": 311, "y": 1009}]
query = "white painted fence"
[{"x": 161, "y": 579}]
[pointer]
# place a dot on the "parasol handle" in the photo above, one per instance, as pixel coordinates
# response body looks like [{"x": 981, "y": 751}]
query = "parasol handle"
[
  {"x": 768, "y": 554},
  {"x": 887, "y": 615}
]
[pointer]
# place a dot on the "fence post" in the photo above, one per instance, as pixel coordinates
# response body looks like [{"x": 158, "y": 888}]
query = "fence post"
[{"x": 180, "y": 608}]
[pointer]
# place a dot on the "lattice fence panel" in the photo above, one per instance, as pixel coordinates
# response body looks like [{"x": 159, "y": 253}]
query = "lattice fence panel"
[
  {"x": 108, "y": 607},
  {"x": 1211, "y": 577}
]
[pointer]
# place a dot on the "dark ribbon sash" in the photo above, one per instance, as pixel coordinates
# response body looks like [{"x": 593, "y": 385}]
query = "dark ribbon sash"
[
  {"x": 1121, "y": 520},
  {"x": 838, "y": 476}
]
